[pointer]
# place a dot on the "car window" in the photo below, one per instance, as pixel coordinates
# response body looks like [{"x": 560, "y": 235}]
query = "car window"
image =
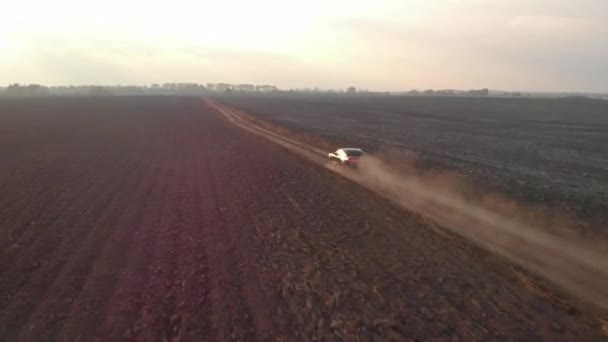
[{"x": 354, "y": 153}]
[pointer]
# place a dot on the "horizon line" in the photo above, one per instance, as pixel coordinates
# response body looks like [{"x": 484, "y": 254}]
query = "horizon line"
[{"x": 307, "y": 89}]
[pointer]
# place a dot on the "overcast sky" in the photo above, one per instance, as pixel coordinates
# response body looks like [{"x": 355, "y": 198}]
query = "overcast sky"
[{"x": 551, "y": 45}]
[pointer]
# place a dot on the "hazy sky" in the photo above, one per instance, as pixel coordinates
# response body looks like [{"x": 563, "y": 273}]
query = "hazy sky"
[{"x": 390, "y": 45}]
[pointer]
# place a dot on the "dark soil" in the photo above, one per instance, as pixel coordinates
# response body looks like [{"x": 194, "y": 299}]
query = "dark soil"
[
  {"x": 143, "y": 218},
  {"x": 547, "y": 152}
]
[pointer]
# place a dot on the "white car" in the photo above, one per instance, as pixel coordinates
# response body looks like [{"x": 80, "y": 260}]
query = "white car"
[{"x": 346, "y": 156}]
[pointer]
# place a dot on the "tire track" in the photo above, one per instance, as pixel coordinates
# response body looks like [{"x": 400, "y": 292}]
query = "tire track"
[
  {"x": 580, "y": 270},
  {"x": 55, "y": 173},
  {"x": 30, "y": 280},
  {"x": 237, "y": 185},
  {"x": 384, "y": 285},
  {"x": 13, "y": 174},
  {"x": 26, "y": 232},
  {"x": 69, "y": 279},
  {"x": 127, "y": 301},
  {"x": 231, "y": 315},
  {"x": 172, "y": 317},
  {"x": 30, "y": 234},
  {"x": 191, "y": 318},
  {"x": 110, "y": 261},
  {"x": 150, "y": 322}
]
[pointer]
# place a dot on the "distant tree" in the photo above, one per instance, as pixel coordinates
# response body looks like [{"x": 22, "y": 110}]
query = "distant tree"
[
  {"x": 13, "y": 89},
  {"x": 351, "y": 90},
  {"x": 36, "y": 90},
  {"x": 17, "y": 89},
  {"x": 445, "y": 92},
  {"x": 481, "y": 92},
  {"x": 99, "y": 91},
  {"x": 222, "y": 86},
  {"x": 245, "y": 87},
  {"x": 429, "y": 92}
]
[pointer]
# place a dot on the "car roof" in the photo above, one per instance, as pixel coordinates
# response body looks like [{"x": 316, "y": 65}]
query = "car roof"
[{"x": 346, "y": 149}]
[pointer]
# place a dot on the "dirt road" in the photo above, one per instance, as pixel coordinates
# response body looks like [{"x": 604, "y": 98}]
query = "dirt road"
[
  {"x": 578, "y": 266},
  {"x": 156, "y": 219},
  {"x": 541, "y": 151}
]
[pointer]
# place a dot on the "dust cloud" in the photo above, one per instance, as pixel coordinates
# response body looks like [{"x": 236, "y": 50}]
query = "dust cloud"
[
  {"x": 531, "y": 239},
  {"x": 541, "y": 244}
]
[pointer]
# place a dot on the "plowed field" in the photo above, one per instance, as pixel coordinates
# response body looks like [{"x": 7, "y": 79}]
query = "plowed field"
[{"x": 151, "y": 219}]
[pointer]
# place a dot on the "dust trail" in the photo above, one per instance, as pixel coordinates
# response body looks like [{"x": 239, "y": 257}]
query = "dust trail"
[{"x": 579, "y": 267}]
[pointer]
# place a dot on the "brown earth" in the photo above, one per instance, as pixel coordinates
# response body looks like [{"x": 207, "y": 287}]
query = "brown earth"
[{"x": 142, "y": 218}]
